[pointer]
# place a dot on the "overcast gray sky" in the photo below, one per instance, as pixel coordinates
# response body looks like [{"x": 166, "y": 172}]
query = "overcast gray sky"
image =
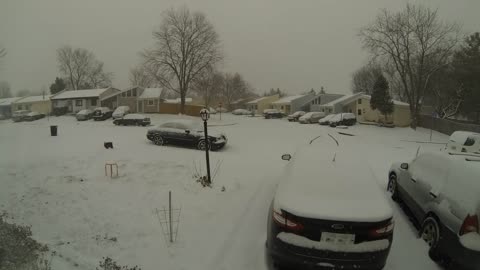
[{"x": 293, "y": 45}]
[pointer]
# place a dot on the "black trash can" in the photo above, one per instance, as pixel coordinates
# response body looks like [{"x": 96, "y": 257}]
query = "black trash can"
[{"x": 53, "y": 130}]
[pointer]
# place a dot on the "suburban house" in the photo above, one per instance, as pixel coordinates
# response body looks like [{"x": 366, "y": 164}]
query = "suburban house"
[
  {"x": 292, "y": 104},
  {"x": 322, "y": 99},
  {"x": 263, "y": 103},
  {"x": 76, "y": 100},
  {"x": 40, "y": 104},
  {"x": 127, "y": 97},
  {"x": 6, "y": 106},
  {"x": 149, "y": 100},
  {"x": 359, "y": 104},
  {"x": 239, "y": 103}
]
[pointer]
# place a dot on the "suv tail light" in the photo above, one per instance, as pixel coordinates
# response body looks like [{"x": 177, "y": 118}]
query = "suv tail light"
[
  {"x": 384, "y": 230},
  {"x": 284, "y": 222},
  {"x": 470, "y": 224}
]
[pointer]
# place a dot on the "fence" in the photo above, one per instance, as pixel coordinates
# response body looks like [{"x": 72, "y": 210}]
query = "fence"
[{"x": 446, "y": 126}]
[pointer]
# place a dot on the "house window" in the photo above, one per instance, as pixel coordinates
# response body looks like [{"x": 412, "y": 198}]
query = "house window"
[
  {"x": 150, "y": 102},
  {"x": 319, "y": 100},
  {"x": 28, "y": 107},
  {"x": 359, "y": 112},
  {"x": 281, "y": 107},
  {"x": 93, "y": 102},
  {"x": 78, "y": 102},
  {"x": 359, "y": 101},
  {"x": 20, "y": 107},
  {"x": 124, "y": 94},
  {"x": 134, "y": 92},
  {"x": 129, "y": 93}
]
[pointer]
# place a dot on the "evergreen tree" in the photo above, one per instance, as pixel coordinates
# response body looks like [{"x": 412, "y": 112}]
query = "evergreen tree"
[{"x": 381, "y": 99}]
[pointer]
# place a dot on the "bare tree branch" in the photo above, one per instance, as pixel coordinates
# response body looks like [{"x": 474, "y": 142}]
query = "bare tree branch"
[{"x": 186, "y": 45}]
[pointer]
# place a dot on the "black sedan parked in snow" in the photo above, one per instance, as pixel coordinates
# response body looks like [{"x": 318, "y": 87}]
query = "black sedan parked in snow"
[
  {"x": 32, "y": 116},
  {"x": 132, "y": 119},
  {"x": 101, "y": 113},
  {"x": 185, "y": 132}
]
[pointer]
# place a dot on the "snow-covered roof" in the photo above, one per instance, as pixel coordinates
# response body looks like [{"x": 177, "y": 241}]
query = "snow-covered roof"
[
  {"x": 396, "y": 102},
  {"x": 151, "y": 93},
  {"x": 33, "y": 99},
  {"x": 87, "y": 93},
  {"x": 342, "y": 100},
  {"x": 288, "y": 99},
  {"x": 8, "y": 101},
  {"x": 257, "y": 100},
  {"x": 331, "y": 192},
  {"x": 177, "y": 100}
]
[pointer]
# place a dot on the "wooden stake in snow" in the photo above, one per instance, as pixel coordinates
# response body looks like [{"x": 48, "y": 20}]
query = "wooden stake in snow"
[{"x": 170, "y": 215}]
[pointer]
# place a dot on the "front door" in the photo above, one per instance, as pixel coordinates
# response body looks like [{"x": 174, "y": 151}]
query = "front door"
[{"x": 140, "y": 106}]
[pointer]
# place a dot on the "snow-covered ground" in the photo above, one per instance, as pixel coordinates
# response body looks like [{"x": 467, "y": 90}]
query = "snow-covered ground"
[{"x": 58, "y": 186}]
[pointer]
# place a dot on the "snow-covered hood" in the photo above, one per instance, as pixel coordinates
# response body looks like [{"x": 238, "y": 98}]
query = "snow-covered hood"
[{"x": 315, "y": 186}]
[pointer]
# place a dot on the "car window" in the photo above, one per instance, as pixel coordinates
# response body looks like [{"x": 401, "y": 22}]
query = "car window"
[
  {"x": 431, "y": 170},
  {"x": 469, "y": 142}
]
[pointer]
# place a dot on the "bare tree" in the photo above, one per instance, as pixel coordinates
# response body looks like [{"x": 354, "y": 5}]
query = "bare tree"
[
  {"x": 364, "y": 78},
  {"x": 416, "y": 43},
  {"x": 81, "y": 68},
  {"x": 235, "y": 87},
  {"x": 208, "y": 86},
  {"x": 5, "y": 90},
  {"x": 186, "y": 45},
  {"x": 140, "y": 77}
]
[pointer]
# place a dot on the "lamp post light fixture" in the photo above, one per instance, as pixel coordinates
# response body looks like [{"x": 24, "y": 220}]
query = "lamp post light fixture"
[{"x": 205, "y": 115}]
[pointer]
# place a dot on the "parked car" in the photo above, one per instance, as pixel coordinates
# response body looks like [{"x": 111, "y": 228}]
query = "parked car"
[
  {"x": 241, "y": 112},
  {"x": 19, "y": 116},
  {"x": 464, "y": 141},
  {"x": 101, "y": 113},
  {"x": 272, "y": 113},
  {"x": 212, "y": 111},
  {"x": 132, "y": 119},
  {"x": 84, "y": 115},
  {"x": 442, "y": 191},
  {"x": 331, "y": 216},
  {"x": 221, "y": 109},
  {"x": 120, "y": 112},
  {"x": 294, "y": 116},
  {"x": 311, "y": 117},
  {"x": 32, "y": 116},
  {"x": 325, "y": 121},
  {"x": 185, "y": 132},
  {"x": 343, "y": 119}
]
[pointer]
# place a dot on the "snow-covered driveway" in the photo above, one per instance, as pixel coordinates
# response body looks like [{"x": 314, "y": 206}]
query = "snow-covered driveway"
[{"x": 57, "y": 185}]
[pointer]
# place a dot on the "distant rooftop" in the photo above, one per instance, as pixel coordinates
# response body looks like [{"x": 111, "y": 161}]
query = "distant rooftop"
[
  {"x": 33, "y": 99},
  {"x": 288, "y": 99},
  {"x": 8, "y": 101},
  {"x": 79, "y": 93}
]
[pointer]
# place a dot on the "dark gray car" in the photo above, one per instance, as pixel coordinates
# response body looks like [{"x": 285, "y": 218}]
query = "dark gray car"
[
  {"x": 187, "y": 133},
  {"x": 442, "y": 190}
]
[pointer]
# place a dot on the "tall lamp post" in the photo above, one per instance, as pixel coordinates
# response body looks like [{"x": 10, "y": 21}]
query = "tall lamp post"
[{"x": 205, "y": 114}]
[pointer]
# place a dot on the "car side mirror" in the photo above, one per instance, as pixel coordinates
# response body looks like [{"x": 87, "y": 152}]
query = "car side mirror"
[
  {"x": 404, "y": 166},
  {"x": 187, "y": 131},
  {"x": 286, "y": 157}
]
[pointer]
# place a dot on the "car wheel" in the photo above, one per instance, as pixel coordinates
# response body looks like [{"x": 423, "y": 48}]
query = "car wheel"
[
  {"x": 202, "y": 145},
  {"x": 158, "y": 140},
  {"x": 393, "y": 187},
  {"x": 431, "y": 234}
]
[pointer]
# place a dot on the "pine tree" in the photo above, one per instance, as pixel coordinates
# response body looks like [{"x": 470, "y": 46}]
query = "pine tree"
[{"x": 381, "y": 99}]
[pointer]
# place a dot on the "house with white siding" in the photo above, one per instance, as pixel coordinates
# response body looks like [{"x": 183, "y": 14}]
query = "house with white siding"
[{"x": 76, "y": 100}]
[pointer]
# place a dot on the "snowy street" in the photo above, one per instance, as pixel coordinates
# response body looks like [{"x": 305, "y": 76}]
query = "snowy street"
[{"x": 58, "y": 186}]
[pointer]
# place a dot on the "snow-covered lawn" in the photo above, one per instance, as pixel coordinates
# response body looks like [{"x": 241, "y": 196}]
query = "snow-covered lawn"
[{"x": 57, "y": 185}]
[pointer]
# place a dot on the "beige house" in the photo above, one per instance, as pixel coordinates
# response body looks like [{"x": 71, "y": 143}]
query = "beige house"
[
  {"x": 40, "y": 104},
  {"x": 149, "y": 100},
  {"x": 76, "y": 100},
  {"x": 260, "y": 104},
  {"x": 359, "y": 104}
]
